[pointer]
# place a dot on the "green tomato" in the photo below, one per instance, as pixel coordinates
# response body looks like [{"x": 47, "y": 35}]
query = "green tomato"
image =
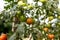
[
  {"x": 25, "y": 8},
  {"x": 50, "y": 18},
  {"x": 48, "y": 25},
  {"x": 20, "y": 3},
  {"x": 23, "y": 4},
  {"x": 18, "y": 13},
  {"x": 58, "y": 23},
  {"x": 58, "y": 17},
  {"x": 30, "y": 7},
  {"x": 22, "y": 18}
]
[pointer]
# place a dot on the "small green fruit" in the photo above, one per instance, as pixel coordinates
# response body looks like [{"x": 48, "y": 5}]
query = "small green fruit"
[
  {"x": 25, "y": 7},
  {"x": 58, "y": 17},
  {"x": 20, "y": 3},
  {"x": 50, "y": 18},
  {"x": 30, "y": 7},
  {"x": 22, "y": 18},
  {"x": 48, "y": 25},
  {"x": 18, "y": 13}
]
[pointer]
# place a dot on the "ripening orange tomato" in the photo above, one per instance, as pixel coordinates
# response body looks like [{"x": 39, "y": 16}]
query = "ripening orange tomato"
[
  {"x": 45, "y": 29},
  {"x": 0, "y": 38},
  {"x": 50, "y": 36},
  {"x": 29, "y": 21}
]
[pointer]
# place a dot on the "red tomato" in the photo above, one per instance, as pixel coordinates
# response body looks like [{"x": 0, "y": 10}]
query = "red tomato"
[{"x": 3, "y": 37}]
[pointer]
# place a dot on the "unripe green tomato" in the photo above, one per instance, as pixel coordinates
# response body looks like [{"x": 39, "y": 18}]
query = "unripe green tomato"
[
  {"x": 30, "y": 7},
  {"x": 23, "y": 4},
  {"x": 50, "y": 18},
  {"x": 18, "y": 13},
  {"x": 20, "y": 3},
  {"x": 22, "y": 18},
  {"x": 58, "y": 17},
  {"x": 58, "y": 23},
  {"x": 25, "y": 7},
  {"x": 48, "y": 25}
]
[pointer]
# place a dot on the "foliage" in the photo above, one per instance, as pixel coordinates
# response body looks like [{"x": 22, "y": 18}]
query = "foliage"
[{"x": 44, "y": 16}]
